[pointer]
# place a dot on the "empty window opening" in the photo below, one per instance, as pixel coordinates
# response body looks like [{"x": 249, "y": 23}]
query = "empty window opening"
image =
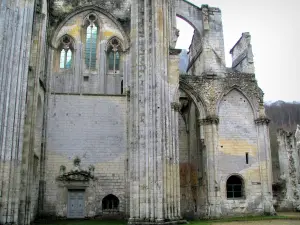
[
  {"x": 185, "y": 32},
  {"x": 234, "y": 187},
  {"x": 110, "y": 203},
  {"x": 247, "y": 158},
  {"x": 91, "y": 43}
]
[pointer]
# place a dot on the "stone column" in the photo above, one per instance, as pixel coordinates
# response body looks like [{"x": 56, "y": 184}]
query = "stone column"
[
  {"x": 213, "y": 189},
  {"x": 150, "y": 114},
  {"x": 16, "y": 19},
  {"x": 203, "y": 169},
  {"x": 176, "y": 169},
  {"x": 265, "y": 166}
]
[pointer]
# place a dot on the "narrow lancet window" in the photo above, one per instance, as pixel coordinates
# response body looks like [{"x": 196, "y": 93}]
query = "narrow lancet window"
[{"x": 91, "y": 43}]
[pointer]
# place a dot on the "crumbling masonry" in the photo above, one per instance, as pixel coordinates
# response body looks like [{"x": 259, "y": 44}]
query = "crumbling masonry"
[{"x": 96, "y": 120}]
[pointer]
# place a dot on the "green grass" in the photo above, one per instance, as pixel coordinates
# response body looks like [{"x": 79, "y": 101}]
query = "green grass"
[
  {"x": 84, "y": 222},
  {"x": 247, "y": 218},
  {"x": 204, "y": 222}
]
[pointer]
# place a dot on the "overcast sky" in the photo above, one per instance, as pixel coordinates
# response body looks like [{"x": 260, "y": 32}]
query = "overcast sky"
[{"x": 274, "y": 26}]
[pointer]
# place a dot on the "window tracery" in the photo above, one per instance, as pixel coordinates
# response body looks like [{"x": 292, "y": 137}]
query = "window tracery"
[
  {"x": 66, "y": 54},
  {"x": 114, "y": 55}
]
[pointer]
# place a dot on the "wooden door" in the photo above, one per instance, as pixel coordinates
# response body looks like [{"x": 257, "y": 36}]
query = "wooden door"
[{"x": 76, "y": 204}]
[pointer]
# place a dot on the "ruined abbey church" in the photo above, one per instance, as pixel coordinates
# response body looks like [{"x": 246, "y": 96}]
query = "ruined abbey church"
[{"x": 96, "y": 120}]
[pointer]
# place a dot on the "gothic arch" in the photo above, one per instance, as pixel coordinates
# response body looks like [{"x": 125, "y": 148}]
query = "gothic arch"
[
  {"x": 118, "y": 39},
  {"x": 198, "y": 101},
  {"x": 235, "y": 88},
  {"x": 92, "y": 8},
  {"x": 59, "y": 40}
]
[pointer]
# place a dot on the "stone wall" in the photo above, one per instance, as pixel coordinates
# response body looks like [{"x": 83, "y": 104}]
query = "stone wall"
[
  {"x": 94, "y": 129},
  {"x": 238, "y": 137}
]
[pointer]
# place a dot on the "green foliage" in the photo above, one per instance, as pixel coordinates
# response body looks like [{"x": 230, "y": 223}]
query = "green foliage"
[{"x": 284, "y": 115}]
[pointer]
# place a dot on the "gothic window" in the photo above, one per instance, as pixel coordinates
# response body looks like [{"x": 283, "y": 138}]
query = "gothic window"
[
  {"x": 114, "y": 55},
  {"x": 91, "y": 43},
  {"x": 235, "y": 187},
  {"x": 110, "y": 203},
  {"x": 66, "y": 54}
]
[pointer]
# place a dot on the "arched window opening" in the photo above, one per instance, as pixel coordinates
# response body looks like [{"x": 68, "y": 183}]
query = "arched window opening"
[
  {"x": 235, "y": 187},
  {"x": 185, "y": 36},
  {"x": 66, "y": 53},
  {"x": 91, "y": 43},
  {"x": 114, "y": 56},
  {"x": 110, "y": 203}
]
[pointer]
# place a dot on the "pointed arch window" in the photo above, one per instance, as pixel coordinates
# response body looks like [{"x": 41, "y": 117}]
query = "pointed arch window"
[
  {"x": 91, "y": 43},
  {"x": 66, "y": 53},
  {"x": 114, "y": 55}
]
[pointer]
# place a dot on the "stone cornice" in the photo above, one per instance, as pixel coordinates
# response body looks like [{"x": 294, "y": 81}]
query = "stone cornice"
[
  {"x": 209, "y": 120},
  {"x": 262, "y": 121}
]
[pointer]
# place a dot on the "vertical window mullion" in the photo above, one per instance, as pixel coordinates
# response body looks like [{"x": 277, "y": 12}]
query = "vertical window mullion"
[{"x": 114, "y": 62}]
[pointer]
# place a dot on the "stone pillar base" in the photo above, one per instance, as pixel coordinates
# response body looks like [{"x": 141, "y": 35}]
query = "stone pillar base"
[{"x": 156, "y": 222}]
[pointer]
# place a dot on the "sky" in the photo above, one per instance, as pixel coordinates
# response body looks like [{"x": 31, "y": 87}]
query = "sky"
[{"x": 274, "y": 26}]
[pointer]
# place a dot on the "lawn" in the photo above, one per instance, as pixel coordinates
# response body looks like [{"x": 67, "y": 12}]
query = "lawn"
[{"x": 210, "y": 222}]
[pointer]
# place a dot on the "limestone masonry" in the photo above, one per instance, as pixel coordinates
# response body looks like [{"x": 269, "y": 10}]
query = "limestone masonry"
[{"x": 96, "y": 121}]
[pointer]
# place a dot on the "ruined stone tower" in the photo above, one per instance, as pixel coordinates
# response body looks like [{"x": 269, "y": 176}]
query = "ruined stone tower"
[{"x": 96, "y": 120}]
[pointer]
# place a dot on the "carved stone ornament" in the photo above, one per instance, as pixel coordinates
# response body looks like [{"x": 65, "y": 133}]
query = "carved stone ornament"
[
  {"x": 176, "y": 106},
  {"x": 76, "y": 174},
  {"x": 262, "y": 121}
]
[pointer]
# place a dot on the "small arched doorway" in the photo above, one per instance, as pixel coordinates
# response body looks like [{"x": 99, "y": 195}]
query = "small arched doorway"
[{"x": 110, "y": 204}]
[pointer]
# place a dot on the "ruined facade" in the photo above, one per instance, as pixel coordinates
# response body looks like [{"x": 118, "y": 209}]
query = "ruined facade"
[
  {"x": 97, "y": 121},
  {"x": 287, "y": 186}
]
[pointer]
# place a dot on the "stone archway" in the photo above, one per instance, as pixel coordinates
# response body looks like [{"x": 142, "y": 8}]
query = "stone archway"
[{"x": 191, "y": 157}]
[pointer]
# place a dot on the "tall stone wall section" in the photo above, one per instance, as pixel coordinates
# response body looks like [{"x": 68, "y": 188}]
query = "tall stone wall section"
[
  {"x": 94, "y": 129},
  {"x": 238, "y": 137}
]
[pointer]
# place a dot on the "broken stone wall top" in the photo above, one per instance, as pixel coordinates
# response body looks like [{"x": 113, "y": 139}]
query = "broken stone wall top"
[{"x": 242, "y": 55}]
